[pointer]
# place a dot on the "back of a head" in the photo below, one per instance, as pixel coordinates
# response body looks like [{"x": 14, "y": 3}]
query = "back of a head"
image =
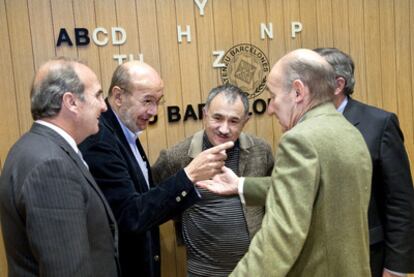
[
  {"x": 313, "y": 70},
  {"x": 231, "y": 93},
  {"x": 342, "y": 64},
  {"x": 51, "y": 81}
]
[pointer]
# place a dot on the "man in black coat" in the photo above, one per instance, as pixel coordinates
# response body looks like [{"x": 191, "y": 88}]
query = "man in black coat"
[
  {"x": 391, "y": 209},
  {"x": 119, "y": 165}
]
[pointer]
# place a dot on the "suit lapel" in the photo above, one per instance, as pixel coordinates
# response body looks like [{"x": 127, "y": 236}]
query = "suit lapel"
[
  {"x": 144, "y": 157},
  {"x": 245, "y": 144},
  {"x": 244, "y": 155},
  {"x": 61, "y": 142}
]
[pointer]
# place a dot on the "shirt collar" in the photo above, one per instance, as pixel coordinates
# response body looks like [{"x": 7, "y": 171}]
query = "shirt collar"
[
  {"x": 61, "y": 132},
  {"x": 342, "y": 106}
]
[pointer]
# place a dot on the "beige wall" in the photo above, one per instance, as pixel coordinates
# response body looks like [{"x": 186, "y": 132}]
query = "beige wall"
[{"x": 378, "y": 34}]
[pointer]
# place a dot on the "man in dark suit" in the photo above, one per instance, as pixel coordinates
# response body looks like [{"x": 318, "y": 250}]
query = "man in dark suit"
[
  {"x": 391, "y": 209},
  {"x": 55, "y": 221},
  {"x": 118, "y": 162}
]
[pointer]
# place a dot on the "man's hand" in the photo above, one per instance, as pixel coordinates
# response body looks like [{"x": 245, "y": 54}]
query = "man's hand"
[
  {"x": 208, "y": 163},
  {"x": 225, "y": 183}
]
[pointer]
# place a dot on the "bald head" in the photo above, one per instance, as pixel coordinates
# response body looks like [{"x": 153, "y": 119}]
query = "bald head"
[
  {"x": 299, "y": 81},
  {"x": 305, "y": 56},
  {"x": 51, "y": 81},
  {"x": 312, "y": 69},
  {"x": 135, "y": 75}
]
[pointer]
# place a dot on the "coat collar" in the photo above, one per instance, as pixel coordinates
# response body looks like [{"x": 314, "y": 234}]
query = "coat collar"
[
  {"x": 111, "y": 122},
  {"x": 64, "y": 145},
  {"x": 351, "y": 112},
  {"x": 319, "y": 110}
]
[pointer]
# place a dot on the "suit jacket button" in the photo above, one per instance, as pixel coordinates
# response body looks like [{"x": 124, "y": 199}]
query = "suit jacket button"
[
  {"x": 156, "y": 258},
  {"x": 184, "y": 194},
  {"x": 178, "y": 199}
]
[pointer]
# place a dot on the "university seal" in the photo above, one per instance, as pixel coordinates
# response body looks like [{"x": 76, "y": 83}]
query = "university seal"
[{"x": 246, "y": 66}]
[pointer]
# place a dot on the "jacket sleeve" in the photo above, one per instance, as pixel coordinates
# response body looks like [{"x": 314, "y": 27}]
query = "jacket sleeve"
[
  {"x": 255, "y": 188},
  {"x": 162, "y": 168},
  {"x": 270, "y": 160},
  {"x": 289, "y": 203},
  {"x": 399, "y": 199},
  {"x": 136, "y": 209},
  {"x": 168, "y": 164}
]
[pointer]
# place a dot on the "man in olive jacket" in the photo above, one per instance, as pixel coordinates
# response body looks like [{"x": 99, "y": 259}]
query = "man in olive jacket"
[
  {"x": 317, "y": 197},
  {"x": 391, "y": 208}
]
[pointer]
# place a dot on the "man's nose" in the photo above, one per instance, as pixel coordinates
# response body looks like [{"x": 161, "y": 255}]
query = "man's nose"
[
  {"x": 153, "y": 110},
  {"x": 224, "y": 127},
  {"x": 103, "y": 106},
  {"x": 270, "y": 110}
]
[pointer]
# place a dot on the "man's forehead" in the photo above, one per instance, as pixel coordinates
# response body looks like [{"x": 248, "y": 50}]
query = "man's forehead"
[
  {"x": 227, "y": 113},
  {"x": 233, "y": 110},
  {"x": 146, "y": 85},
  {"x": 148, "y": 93},
  {"x": 272, "y": 80}
]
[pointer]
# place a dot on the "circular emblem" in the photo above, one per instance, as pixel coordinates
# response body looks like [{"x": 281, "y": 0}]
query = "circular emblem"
[{"x": 246, "y": 66}]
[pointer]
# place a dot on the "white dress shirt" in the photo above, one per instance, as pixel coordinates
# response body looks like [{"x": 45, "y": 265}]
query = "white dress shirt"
[{"x": 65, "y": 136}]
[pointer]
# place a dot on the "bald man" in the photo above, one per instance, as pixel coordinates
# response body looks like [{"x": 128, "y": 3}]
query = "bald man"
[
  {"x": 55, "y": 220},
  {"x": 118, "y": 162},
  {"x": 316, "y": 200}
]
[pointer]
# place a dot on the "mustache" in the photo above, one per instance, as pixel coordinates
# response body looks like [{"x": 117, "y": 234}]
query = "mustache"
[{"x": 222, "y": 135}]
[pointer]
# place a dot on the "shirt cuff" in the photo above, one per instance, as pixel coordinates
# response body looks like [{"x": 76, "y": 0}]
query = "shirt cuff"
[
  {"x": 240, "y": 189},
  {"x": 396, "y": 273}
]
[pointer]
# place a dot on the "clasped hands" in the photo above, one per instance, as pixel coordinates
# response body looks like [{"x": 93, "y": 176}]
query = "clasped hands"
[{"x": 207, "y": 171}]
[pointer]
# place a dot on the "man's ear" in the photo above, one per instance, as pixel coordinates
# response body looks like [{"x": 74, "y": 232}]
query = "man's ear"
[
  {"x": 299, "y": 90},
  {"x": 340, "y": 85},
  {"x": 204, "y": 114},
  {"x": 70, "y": 101},
  {"x": 246, "y": 118},
  {"x": 117, "y": 95}
]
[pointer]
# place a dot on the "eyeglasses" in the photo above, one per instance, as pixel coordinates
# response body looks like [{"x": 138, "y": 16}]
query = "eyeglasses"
[{"x": 148, "y": 102}]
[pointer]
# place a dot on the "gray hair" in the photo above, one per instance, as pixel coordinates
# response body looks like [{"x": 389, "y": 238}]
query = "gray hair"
[
  {"x": 318, "y": 77},
  {"x": 47, "y": 93},
  {"x": 120, "y": 78},
  {"x": 232, "y": 93},
  {"x": 342, "y": 64}
]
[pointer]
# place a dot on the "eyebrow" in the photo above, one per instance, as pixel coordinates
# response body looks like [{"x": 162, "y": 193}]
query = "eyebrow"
[
  {"x": 154, "y": 98},
  {"x": 161, "y": 99},
  {"x": 222, "y": 115}
]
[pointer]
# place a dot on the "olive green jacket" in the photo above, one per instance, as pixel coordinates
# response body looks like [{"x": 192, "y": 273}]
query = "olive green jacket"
[{"x": 315, "y": 222}]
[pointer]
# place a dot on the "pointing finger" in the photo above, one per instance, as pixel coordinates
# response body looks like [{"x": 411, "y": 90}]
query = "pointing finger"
[{"x": 221, "y": 147}]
